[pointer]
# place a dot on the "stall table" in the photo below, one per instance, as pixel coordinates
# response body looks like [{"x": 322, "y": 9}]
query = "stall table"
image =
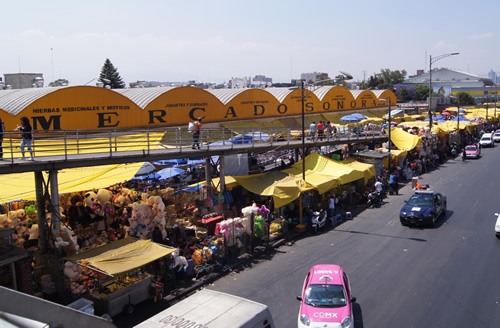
[{"x": 210, "y": 223}]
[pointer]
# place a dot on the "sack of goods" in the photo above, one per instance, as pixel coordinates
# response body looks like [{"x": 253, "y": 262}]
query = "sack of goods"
[{"x": 191, "y": 127}]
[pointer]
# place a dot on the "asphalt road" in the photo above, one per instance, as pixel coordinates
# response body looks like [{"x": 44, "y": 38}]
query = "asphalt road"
[{"x": 447, "y": 276}]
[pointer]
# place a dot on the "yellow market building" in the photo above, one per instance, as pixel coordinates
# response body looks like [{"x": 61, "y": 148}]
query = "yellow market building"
[{"x": 95, "y": 108}]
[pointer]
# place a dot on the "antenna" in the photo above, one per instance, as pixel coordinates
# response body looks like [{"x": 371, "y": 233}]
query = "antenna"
[{"x": 52, "y": 55}]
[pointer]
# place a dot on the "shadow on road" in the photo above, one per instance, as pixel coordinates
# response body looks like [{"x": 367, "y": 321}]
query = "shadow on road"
[{"x": 357, "y": 314}]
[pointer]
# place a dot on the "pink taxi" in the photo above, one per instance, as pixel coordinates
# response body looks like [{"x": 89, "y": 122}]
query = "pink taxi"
[{"x": 326, "y": 298}]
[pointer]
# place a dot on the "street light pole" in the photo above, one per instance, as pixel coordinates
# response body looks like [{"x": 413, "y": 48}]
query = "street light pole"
[
  {"x": 487, "y": 105},
  {"x": 303, "y": 133},
  {"x": 344, "y": 77},
  {"x": 432, "y": 61},
  {"x": 496, "y": 93},
  {"x": 389, "y": 142}
]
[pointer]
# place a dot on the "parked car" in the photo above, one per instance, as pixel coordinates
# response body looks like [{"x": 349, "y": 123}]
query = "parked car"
[
  {"x": 487, "y": 140},
  {"x": 496, "y": 136},
  {"x": 473, "y": 151},
  {"x": 326, "y": 298},
  {"x": 497, "y": 226},
  {"x": 423, "y": 208}
]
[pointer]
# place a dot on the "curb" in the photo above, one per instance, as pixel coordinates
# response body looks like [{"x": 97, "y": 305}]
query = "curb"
[{"x": 177, "y": 294}]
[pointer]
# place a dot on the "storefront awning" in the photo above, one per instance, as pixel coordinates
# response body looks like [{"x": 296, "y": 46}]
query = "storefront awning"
[
  {"x": 122, "y": 256},
  {"x": 21, "y": 186},
  {"x": 404, "y": 140},
  {"x": 322, "y": 173}
]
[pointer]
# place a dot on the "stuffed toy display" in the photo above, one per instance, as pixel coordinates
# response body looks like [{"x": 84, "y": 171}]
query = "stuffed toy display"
[
  {"x": 259, "y": 227},
  {"x": 180, "y": 262}
]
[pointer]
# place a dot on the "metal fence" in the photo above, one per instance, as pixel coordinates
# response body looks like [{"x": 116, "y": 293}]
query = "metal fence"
[{"x": 114, "y": 142}]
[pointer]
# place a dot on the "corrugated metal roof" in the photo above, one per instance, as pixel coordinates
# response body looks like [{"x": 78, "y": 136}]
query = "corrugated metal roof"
[
  {"x": 356, "y": 93},
  {"x": 226, "y": 95},
  {"x": 321, "y": 91},
  {"x": 143, "y": 96},
  {"x": 279, "y": 93},
  {"x": 13, "y": 101},
  {"x": 377, "y": 93}
]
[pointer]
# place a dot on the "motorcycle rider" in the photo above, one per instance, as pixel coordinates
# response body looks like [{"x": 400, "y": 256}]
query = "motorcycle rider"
[
  {"x": 376, "y": 196},
  {"x": 379, "y": 187}
]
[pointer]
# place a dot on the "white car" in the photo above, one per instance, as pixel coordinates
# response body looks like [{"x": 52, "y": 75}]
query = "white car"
[
  {"x": 497, "y": 226},
  {"x": 487, "y": 140},
  {"x": 496, "y": 136}
]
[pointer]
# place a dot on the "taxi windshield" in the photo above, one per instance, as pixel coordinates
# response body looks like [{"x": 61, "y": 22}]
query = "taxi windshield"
[
  {"x": 421, "y": 200},
  {"x": 325, "y": 295}
]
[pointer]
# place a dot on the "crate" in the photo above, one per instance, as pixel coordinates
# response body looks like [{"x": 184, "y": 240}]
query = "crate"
[{"x": 83, "y": 305}]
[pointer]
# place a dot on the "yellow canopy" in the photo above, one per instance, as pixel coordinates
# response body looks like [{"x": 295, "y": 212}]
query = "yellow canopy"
[
  {"x": 450, "y": 126},
  {"x": 322, "y": 173},
  {"x": 325, "y": 173},
  {"x": 126, "y": 257},
  {"x": 412, "y": 124},
  {"x": 368, "y": 170},
  {"x": 404, "y": 140},
  {"x": 21, "y": 186},
  {"x": 281, "y": 186}
]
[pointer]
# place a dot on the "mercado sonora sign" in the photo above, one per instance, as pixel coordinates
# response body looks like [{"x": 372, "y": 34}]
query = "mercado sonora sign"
[{"x": 86, "y": 107}]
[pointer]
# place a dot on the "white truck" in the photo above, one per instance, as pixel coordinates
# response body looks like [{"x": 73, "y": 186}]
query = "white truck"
[{"x": 212, "y": 309}]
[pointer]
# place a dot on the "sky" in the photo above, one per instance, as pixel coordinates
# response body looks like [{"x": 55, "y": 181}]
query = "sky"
[{"x": 214, "y": 41}]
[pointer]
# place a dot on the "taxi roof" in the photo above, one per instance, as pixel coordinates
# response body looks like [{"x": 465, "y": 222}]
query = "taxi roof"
[
  {"x": 326, "y": 274},
  {"x": 428, "y": 192}
]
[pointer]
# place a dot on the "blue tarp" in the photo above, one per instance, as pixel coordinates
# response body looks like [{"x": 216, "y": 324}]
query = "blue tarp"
[
  {"x": 191, "y": 188},
  {"x": 180, "y": 162},
  {"x": 170, "y": 172},
  {"x": 351, "y": 118}
]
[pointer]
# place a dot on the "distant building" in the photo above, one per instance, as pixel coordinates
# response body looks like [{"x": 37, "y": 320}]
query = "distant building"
[
  {"x": 24, "y": 80},
  {"x": 261, "y": 81},
  {"x": 449, "y": 82},
  {"x": 314, "y": 77},
  {"x": 240, "y": 82},
  {"x": 492, "y": 75}
]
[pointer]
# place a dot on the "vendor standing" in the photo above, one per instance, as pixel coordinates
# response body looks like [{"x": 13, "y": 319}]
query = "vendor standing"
[
  {"x": 393, "y": 183},
  {"x": 2, "y": 131}
]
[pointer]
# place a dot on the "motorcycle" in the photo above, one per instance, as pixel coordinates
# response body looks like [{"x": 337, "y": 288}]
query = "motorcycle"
[
  {"x": 318, "y": 220},
  {"x": 375, "y": 198}
]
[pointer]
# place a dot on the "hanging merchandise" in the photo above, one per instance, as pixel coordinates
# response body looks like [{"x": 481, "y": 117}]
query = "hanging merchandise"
[{"x": 259, "y": 226}]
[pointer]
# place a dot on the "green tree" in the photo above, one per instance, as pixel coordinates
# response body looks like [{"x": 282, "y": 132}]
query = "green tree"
[
  {"x": 59, "y": 83},
  {"x": 110, "y": 74},
  {"x": 465, "y": 99},
  {"x": 422, "y": 91},
  {"x": 386, "y": 79}
]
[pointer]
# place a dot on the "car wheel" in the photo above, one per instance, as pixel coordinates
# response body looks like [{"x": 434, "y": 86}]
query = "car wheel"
[
  {"x": 129, "y": 308},
  {"x": 432, "y": 222}
]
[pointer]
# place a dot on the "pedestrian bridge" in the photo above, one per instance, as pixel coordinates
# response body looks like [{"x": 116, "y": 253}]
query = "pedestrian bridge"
[{"x": 56, "y": 150}]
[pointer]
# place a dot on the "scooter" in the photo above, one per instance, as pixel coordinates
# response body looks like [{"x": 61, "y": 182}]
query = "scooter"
[
  {"x": 375, "y": 199},
  {"x": 318, "y": 220}
]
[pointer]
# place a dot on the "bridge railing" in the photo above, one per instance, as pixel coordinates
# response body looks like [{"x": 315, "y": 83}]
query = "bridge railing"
[{"x": 75, "y": 142}]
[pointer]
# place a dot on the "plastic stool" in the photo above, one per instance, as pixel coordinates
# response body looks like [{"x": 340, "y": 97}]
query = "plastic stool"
[{"x": 348, "y": 215}]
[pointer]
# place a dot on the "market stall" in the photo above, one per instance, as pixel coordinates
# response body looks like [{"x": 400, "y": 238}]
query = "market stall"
[{"x": 115, "y": 277}]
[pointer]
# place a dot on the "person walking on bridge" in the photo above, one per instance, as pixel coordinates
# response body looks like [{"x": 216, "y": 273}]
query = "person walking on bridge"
[
  {"x": 196, "y": 133},
  {"x": 27, "y": 136},
  {"x": 2, "y": 131}
]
